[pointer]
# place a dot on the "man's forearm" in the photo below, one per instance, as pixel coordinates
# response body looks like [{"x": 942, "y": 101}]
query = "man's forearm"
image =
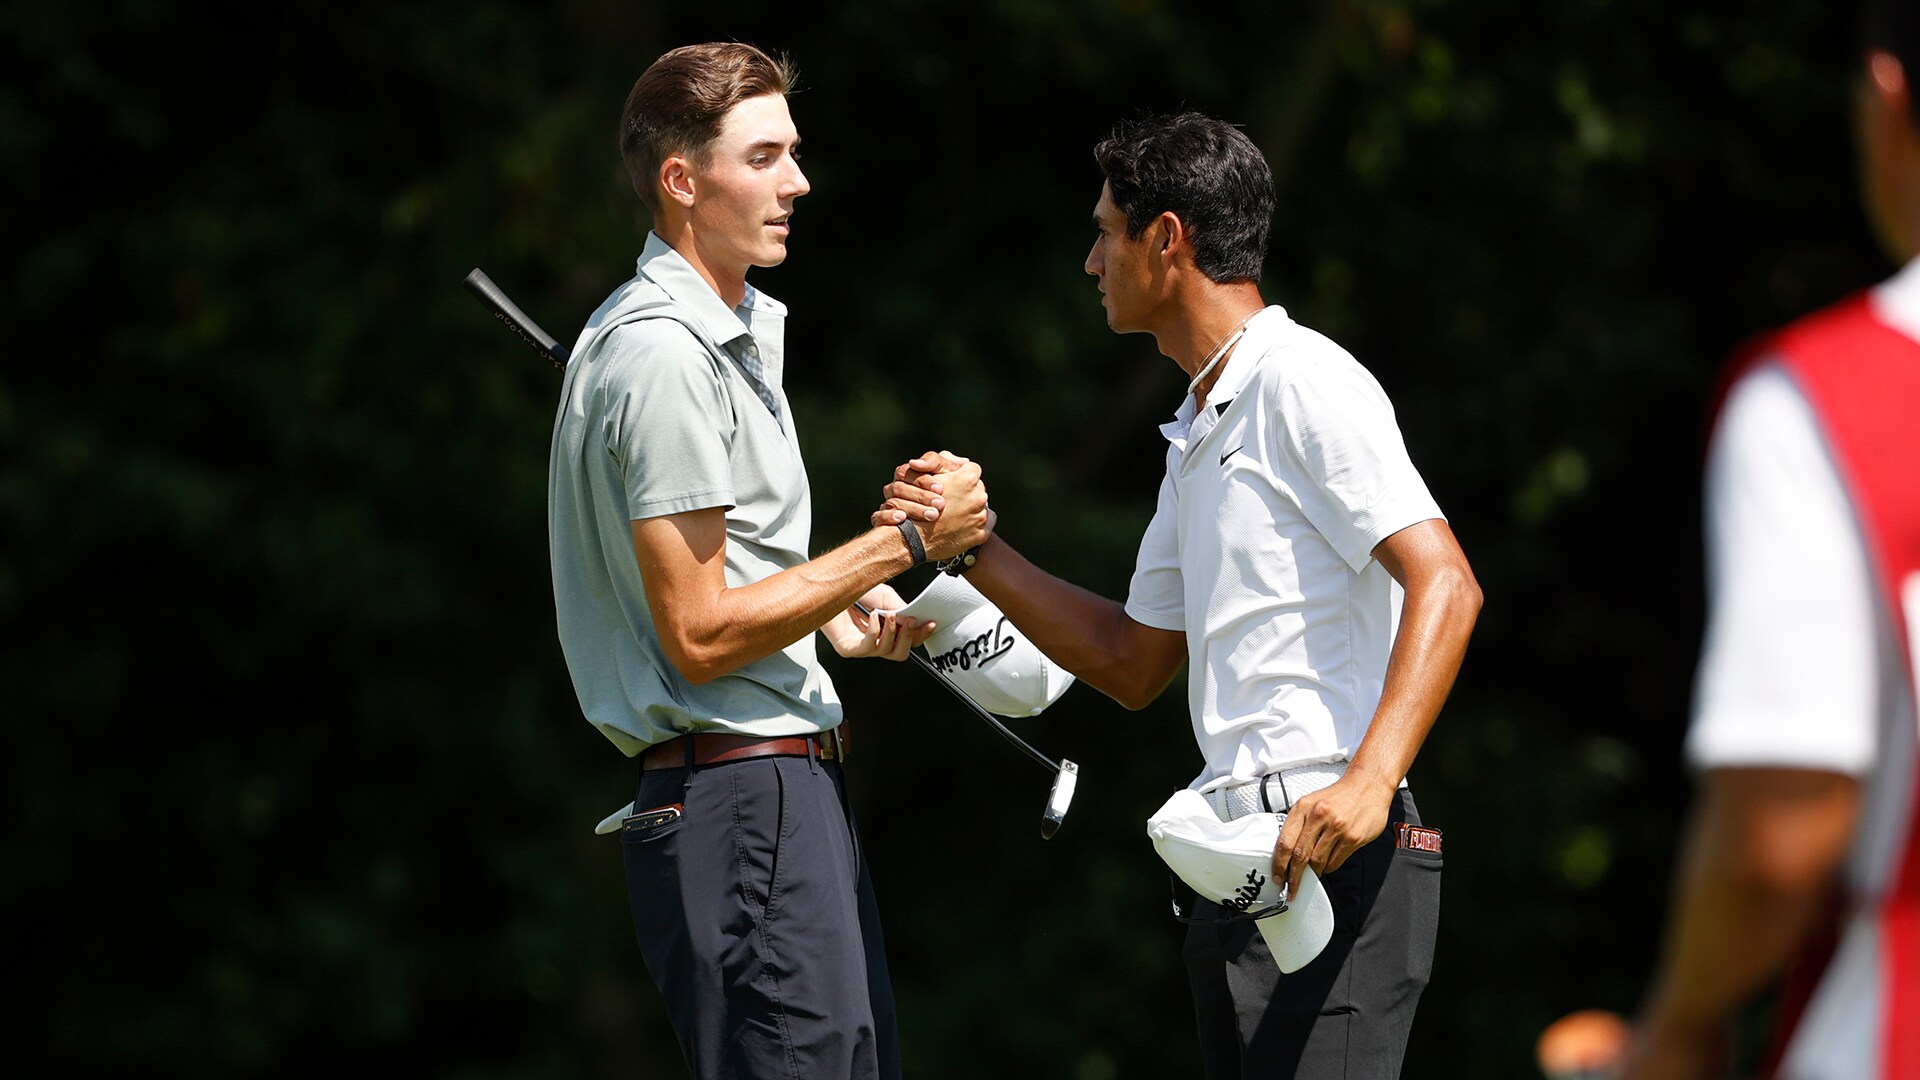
[
  {"x": 1428, "y": 649},
  {"x": 1327, "y": 826},
  {"x": 1088, "y": 634},
  {"x": 1756, "y": 874},
  {"x": 754, "y": 621},
  {"x": 1725, "y": 943},
  {"x": 709, "y": 628}
]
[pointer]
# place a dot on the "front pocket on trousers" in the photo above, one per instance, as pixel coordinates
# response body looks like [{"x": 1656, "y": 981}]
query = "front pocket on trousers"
[{"x": 759, "y": 830}]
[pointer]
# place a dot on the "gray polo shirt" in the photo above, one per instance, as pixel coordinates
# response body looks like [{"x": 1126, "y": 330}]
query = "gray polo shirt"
[{"x": 672, "y": 402}]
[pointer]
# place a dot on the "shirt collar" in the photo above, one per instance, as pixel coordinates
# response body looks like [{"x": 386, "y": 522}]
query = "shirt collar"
[
  {"x": 667, "y": 268},
  {"x": 760, "y": 302},
  {"x": 1182, "y": 422},
  {"x": 1262, "y": 329}
]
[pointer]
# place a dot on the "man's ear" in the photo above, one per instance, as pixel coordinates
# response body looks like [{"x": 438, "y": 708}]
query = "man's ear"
[
  {"x": 676, "y": 179},
  {"x": 1169, "y": 235}
]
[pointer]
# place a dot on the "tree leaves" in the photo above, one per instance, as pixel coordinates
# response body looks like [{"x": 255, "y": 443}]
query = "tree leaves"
[{"x": 297, "y": 778}]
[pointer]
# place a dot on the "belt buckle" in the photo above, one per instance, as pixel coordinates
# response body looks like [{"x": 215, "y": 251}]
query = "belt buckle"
[{"x": 837, "y": 742}]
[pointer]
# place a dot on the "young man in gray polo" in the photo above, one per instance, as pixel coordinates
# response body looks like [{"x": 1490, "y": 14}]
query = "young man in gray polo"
[
  {"x": 679, "y": 517},
  {"x": 1298, "y": 566}
]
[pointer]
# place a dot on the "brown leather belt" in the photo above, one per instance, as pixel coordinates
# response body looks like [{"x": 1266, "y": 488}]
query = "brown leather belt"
[{"x": 715, "y": 748}]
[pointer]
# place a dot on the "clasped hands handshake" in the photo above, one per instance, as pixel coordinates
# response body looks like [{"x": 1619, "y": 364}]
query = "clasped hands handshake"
[{"x": 941, "y": 496}]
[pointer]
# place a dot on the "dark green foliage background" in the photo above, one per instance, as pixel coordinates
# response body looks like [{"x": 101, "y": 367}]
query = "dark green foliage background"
[{"x": 294, "y": 779}]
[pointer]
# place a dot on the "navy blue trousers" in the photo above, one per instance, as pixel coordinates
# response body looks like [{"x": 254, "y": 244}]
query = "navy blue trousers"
[{"x": 756, "y": 918}]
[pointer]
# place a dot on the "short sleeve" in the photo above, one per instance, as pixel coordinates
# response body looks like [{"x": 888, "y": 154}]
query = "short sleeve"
[
  {"x": 1339, "y": 428},
  {"x": 1158, "y": 596},
  {"x": 1787, "y": 671},
  {"x": 667, "y": 420}
]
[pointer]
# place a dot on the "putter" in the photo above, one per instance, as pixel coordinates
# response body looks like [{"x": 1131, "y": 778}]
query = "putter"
[{"x": 1065, "y": 773}]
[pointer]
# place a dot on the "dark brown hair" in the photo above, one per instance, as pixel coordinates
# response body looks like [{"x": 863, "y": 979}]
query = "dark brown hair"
[
  {"x": 677, "y": 104},
  {"x": 1208, "y": 173}
]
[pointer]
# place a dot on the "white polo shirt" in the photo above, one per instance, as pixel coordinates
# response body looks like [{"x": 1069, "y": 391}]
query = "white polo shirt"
[
  {"x": 1261, "y": 551},
  {"x": 1784, "y": 553}
]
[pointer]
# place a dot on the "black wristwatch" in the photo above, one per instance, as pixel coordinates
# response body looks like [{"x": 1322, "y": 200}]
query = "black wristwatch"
[{"x": 960, "y": 563}]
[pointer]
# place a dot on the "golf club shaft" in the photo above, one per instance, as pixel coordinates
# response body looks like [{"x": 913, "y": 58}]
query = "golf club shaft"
[
  {"x": 978, "y": 710},
  {"x": 508, "y": 312}
]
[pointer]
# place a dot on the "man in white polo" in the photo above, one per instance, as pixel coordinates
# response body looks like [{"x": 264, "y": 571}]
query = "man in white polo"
[{"x": 1298, "y": 565}]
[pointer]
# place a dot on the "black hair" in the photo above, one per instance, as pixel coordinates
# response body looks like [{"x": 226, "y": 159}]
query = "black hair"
[{"x": 1208, "y": 173}]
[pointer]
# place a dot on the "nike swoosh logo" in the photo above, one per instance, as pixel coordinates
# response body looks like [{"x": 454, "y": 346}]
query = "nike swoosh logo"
[{"x": 1230, "y": 453}]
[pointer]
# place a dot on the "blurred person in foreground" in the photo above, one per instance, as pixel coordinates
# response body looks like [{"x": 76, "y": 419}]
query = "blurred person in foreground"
[
  {"x": 1801, "y": 864},
  {"x": 687, "y": 604},
  {"x": 1298, "y": 565}
]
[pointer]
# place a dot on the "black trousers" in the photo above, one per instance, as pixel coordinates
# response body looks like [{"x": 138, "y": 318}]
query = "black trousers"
[
  {"x": 1346, "y": 1015},
  {"x": 756, "y": 918}
]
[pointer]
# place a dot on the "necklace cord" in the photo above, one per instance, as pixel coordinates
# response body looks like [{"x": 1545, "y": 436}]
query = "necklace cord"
[{"x": 1220, "y": 351}]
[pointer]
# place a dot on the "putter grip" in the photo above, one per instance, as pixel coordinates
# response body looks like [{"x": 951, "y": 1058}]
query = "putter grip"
[{"x": 508, "y": 312}]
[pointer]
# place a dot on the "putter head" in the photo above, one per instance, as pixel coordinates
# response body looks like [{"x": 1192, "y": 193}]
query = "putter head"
[{"x": 1059, "y": 798}]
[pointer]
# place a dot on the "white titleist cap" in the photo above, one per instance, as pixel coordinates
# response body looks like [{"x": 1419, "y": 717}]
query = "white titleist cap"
[
  {"x": 1231, "y": 863},
  {"x": 979, "y": 649}
]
